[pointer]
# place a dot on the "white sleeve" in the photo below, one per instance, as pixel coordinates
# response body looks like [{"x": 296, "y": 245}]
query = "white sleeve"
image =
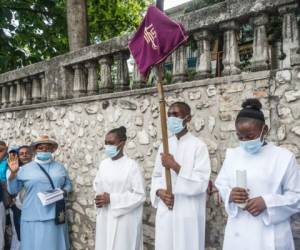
[
  {"x": 97, "y": 180},
  {"x": 281, "y": 207},
  {"x": 123, "y": 203},
  {"x": 195, "y": 181},
  {"x": 97, "y": 185},
  {"x": 223, "y": 185},
  {"x": 13, "y": 186},
  {"x": 157, "y": 181}
]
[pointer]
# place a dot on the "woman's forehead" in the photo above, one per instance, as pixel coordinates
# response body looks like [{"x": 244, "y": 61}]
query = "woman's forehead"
[
  {"x": 248, "y": 125},
  {"x": 111, "y": 137},
  {"x": 44, "y": 145},
  {"x": 24, "y": 149}
]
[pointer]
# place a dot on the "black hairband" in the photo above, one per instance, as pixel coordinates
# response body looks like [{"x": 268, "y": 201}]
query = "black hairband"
[{"x": 251, "y": 113}]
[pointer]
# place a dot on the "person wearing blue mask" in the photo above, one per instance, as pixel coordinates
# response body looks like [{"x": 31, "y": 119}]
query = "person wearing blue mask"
[
  {"x": 259, "y": 204},
  {"x": 24, "y": 154},
  {"x": 39, "y": 227},
  {"x": 120, "y": 195},
  {"x": 180, "y": 216}
]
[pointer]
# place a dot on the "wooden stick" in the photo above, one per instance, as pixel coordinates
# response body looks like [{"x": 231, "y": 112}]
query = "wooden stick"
[
  {"x": 163, "y": 122},
  {"x": 162, "y": 109}
]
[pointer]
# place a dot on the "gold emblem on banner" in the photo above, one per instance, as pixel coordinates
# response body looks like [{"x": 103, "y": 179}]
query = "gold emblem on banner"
[{"x": 150, "y": 35}]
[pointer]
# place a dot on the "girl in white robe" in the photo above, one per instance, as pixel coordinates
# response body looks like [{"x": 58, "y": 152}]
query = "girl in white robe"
[
  {"x": 273, "y": 187},
  {"x": 120, "y": 195}
]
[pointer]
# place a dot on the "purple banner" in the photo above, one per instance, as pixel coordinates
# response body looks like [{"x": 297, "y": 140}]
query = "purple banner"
[{"x": 156, "y": 38}]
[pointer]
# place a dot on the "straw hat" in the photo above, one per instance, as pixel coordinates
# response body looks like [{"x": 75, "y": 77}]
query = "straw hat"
[{"x": 44, "y": 139}]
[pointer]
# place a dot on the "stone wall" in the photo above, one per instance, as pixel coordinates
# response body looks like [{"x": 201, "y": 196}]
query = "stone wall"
[
  {"x": 285, "y": 109},
  {"x": 79, "y": 126}
]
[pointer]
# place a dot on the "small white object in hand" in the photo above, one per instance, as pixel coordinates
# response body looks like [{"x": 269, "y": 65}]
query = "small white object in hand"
[
  {"x": 241, "y": 182},
  {"x": 51, "y": 196}
]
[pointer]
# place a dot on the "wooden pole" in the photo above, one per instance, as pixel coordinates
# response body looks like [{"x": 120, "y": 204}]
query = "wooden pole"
[
  {"x": 163, "y": 121},
  {"x": 162, "y": 109},
  {"x": 160, "y": 4}
]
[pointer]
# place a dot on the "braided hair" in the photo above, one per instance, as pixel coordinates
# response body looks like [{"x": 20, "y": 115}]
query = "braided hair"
[{"x": 251, "y": 109}]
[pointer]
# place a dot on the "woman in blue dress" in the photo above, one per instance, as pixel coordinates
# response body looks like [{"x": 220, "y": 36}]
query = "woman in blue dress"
[{"x": 38, "y": 228}]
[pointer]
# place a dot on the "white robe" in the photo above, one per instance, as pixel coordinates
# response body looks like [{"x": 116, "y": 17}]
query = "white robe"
[
  {"x": 272, "y": 173},
  {"x": 119, "y": 224},
  {"x": 182, "y": 228}
]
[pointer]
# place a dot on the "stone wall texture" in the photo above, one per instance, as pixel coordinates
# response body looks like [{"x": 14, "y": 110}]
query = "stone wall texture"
[{"x": 79, "y": 126}]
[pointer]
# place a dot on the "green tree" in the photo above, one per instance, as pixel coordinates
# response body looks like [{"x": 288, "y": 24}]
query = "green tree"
[
  {"x": 31, "y": 31},
  {"x": 109, "y": 18},
  {"x": 35, "y": 30}
]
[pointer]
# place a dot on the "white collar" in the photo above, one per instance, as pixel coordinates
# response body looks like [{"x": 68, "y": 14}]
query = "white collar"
[
  {"x": 42, "y": 162},
  {"x": 183, "y": 137}
]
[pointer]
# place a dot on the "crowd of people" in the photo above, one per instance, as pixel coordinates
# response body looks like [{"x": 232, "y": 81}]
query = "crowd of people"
[{"x": 258, "y": 211}]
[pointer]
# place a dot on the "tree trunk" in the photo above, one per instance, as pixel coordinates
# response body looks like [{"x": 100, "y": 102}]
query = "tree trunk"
[{"x": 77, "y": 24}]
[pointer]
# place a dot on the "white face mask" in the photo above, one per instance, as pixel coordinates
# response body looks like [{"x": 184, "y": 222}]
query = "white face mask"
[
  {"x": 253, "y": 146},
  {"x": 175, "y": 124},
  {"x": 44, "y": 156},
  {"x": 111, "y": 151}
]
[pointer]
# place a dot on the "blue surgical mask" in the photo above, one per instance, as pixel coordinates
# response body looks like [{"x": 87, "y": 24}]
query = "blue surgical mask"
[
  {"x": 44, "y": 156},
  {"x": 111, "y": 151},
  {"x": 175, "y": 124},
  {"x": 253, "y": 146}
]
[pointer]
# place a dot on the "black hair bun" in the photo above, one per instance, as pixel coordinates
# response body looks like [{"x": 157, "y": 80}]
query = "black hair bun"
[
  {"x": 122, "y": 130},
  {"x": 252, "y": 103}
]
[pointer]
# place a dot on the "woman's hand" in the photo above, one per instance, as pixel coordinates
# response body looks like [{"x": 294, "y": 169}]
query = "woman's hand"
[
  {"x": 238, "y": 195},
  {"x": 13, "y": 164},
  {"x": 256, "y": 206},
  {"x": 102, "y": 200}
]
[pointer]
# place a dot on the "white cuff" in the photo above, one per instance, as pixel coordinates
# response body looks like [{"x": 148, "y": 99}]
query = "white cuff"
[{"x": 231, "y": 208}]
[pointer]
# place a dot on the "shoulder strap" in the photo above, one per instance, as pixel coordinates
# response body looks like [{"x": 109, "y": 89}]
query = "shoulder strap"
[{"x": 48, "y": 176}]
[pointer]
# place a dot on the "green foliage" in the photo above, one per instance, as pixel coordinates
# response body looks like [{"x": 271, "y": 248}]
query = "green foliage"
[
  {"x": 109, "y": 18},
  {"x": 35, "y": 30},
  {"x": 31, "y": 31}
]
